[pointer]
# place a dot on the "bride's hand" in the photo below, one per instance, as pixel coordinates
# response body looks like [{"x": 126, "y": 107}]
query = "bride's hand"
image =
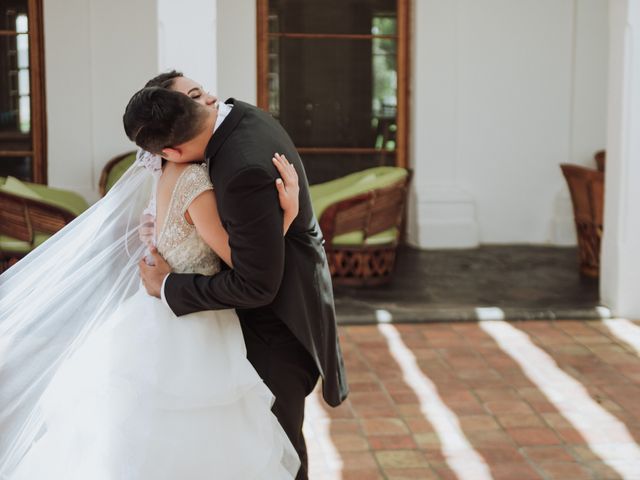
[{"x": 288, "y": 189}]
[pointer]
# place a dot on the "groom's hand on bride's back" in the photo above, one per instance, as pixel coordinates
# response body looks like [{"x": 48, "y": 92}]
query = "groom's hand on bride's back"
[{"x": 153, "y": 275}]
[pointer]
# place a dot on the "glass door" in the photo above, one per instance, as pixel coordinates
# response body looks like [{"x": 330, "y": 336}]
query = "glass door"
[
  {"x": 22, "y": 126},
  {"x": 334, "y": 73}
]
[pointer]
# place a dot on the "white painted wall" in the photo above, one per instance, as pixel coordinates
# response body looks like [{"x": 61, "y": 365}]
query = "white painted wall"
[
  {"x": 97, "y": 55},
  {"x": 237, "y": 71},
  {"x": 503, "y": 92},
  {"x": 620, "y": 262},
  {"x": 187, "y": 39}
]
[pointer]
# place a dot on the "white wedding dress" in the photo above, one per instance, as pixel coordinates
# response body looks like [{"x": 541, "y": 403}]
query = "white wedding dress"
[{"x": 152, "y": 396}]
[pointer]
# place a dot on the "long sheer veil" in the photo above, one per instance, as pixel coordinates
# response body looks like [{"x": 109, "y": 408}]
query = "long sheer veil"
[{"x": 58, "y": 294}]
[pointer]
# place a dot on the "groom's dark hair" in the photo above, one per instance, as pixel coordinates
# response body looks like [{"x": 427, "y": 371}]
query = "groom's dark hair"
[
  {"x": 156, "y": 118},
  {"x": 164, "y": 80}
]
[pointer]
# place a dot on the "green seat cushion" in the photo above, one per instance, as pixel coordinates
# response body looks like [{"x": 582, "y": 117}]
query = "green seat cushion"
[
  {"x": 326, "y": 194},
  {"x": 118, "y": 170},
  {"x": 66, "y": 199},
  {"x": 354, "y": 239},
  {"x": 70, "y": 201},
  {"x": 16, "y": 187},
  {"x": 8, "y": 244}
]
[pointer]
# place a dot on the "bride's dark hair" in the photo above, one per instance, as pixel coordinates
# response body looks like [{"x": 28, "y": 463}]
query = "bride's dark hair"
[
  {"x": 156, "y": 118},
  {"x": 164, "y": 80}
]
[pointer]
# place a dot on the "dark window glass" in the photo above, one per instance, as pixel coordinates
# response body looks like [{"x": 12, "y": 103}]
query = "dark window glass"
[
  {"x": 334, "y": 92},
  {"x": 19, "y": 167},
  {"x": 332, "y": 81},
  {"x": 328, "y": 16},
  {"x": 9, "y": 11}
]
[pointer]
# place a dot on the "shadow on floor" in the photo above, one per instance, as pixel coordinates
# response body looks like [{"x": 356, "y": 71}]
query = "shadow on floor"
[{"x": 510, "y": 282}]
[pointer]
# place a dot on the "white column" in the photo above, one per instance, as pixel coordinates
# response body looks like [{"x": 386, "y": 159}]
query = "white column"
[
  {"x": 440, "y": 213},
  {"x": 187, "y": 39},
  {"x": 620, "y": 272},
  {"x": 237, "y": 70}
]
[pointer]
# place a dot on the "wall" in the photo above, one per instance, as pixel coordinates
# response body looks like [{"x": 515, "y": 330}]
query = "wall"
[
  {"x": 187, "y": 39},
  {"x": 237, "y": 50},
  {"x": 620, "y": 261},
  {"x": 96, "y": 58},
  {"x": 503, "y": 92}
]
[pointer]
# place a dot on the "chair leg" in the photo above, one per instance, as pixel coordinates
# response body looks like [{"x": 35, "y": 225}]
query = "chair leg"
[{"x": 361, "y": 267}]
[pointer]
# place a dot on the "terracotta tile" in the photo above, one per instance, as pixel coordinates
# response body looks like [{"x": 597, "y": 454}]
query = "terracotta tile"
[
  {"x": 409, "y": 410},
  {"x": 345, "y": 426},
  {"x": 428, "y": 440},
  {"x": 391, "y": 442},
  {"x": 512, "y": 420},
  {"x": 472, "y": 423},
  {"x": 418, "y": 425},
  {"x": 489, "y": 438},
  {"x": 358, "y": 461},
  {"x": 533, "y": 436},
  {"x": 349, "y": 442},
  {"x": 401, "y": 459},
  {"x": 379, "y": 398},
  {"x": 375, "y": 411},
  {"x": 503, "y": 393},
  {"x": 501, "y": 407},
  {"x": 504, "y": 454},
  {"x": 548, "y": 453},
  {"x": 570, "y": 436},
  {"x": 360, "y": 474},
  {"x": 514, "y": 471},
  {"x": 410, "y": 474},
  {"x": 384, "y": 426},
  {"x": 566, "y": 470}
]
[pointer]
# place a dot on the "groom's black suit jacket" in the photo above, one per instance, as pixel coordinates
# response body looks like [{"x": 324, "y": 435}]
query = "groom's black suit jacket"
[{"x": 273, "y": 276}]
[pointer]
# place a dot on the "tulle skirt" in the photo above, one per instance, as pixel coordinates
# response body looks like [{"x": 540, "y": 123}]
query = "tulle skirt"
[{"x": 150, "y": 396}]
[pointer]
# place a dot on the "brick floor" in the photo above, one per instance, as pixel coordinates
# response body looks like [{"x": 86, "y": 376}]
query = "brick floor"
[{"x": 490, "y": 409}]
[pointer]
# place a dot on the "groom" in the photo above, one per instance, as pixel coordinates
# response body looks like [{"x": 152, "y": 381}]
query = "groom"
[{"x": 279, "y": 286}]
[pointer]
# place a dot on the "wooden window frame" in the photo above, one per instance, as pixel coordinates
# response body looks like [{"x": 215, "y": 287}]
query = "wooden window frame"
[
  {"x": 402, "y": 37},
  {"x": 38, "y": 152}
]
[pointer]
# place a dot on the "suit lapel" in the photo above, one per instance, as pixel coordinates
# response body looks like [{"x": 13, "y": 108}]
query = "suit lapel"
[{"x": 224, "y": 130}]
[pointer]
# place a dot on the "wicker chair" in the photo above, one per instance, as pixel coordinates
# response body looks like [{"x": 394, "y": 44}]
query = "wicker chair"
[
  {"x": 113, "y": 170},
  {"x": 587, "y": 195},
  {"x": 25, "y": 223},
  {"x": 362, "y": 231},
  {"x": 600, "y": 157}
]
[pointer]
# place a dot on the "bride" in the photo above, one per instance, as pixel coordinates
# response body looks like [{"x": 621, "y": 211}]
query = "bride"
[{"x": 100, "y": 381}]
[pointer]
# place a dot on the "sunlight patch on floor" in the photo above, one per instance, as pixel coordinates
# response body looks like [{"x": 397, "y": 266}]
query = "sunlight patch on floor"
[
  {"x": 324, "y": 459},
  {"x": 624, "y": 330},
  {"x": 606, "y": 436},
  {"x": 461, "y": 457}
]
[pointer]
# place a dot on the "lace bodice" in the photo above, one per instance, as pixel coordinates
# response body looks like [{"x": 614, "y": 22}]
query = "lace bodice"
[{"x": 178, "y": 241}]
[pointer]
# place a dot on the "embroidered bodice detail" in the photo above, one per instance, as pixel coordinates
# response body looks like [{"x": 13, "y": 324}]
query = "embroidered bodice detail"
[{"x": 178, "y": 241}]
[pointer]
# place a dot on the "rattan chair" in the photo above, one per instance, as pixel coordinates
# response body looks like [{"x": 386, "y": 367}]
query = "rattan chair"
[
  {"x": 362, "y": 234},
  {"x": 28, "y": 223},
  {"x": 113, "y": 170},
  {"x": 587, "y": 195}
]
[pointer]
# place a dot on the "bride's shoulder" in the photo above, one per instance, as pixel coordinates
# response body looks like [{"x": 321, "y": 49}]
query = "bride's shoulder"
[{"x": 195, "y": 175}]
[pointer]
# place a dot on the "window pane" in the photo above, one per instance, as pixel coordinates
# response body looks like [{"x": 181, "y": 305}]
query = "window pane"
[
  {"x": 329, "y": 16},
  {"x": 19, "y": 167},
  {"x": 322, "y": 167},
  {"x": 15, "y": 108},
  {"x": 13, "y": 15},
  {"x": 334, "y": 92}
]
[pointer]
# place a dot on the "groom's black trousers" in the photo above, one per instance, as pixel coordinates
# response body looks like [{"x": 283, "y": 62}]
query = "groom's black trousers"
[{"x": 286, "y": 368}]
